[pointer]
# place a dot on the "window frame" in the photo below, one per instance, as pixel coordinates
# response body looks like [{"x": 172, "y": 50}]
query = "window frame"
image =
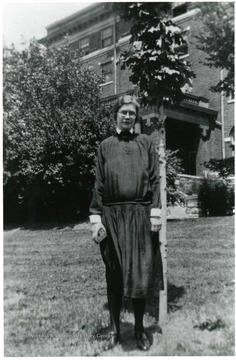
[
  {"x": 105, "y": 38},
  {"x": 85, "y": 49},
  {"x": 231, "y": 98},
  {"x": 183, "y": 54},
  {"x": 107, "y": 74},
  {"x": 180, "y": 7}
]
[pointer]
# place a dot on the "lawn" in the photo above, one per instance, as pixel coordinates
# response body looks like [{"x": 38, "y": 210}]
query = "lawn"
[{"x": 55, "y": 293}]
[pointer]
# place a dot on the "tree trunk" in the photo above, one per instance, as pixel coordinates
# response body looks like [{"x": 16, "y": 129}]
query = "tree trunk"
[{"x": 163, "y": 248}]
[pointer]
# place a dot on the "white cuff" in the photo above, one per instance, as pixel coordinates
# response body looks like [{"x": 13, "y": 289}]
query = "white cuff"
[
  {"x": 95, "y": 219},
  {"x": 156, "y": 212}
]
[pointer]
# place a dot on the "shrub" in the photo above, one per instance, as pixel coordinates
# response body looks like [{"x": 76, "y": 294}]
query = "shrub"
[
  {"x": 189, "y": 186},
  {"x": 215, "y": 197},
  {"x": 224, "y": 167},
  {"x": 173, "y": 168},
  {"x": 53, "y": 123}
]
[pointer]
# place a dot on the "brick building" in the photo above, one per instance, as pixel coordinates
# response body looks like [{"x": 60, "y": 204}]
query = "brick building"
[{"x": 201, "y": 127}]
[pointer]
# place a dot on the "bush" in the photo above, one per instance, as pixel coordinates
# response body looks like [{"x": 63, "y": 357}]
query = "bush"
[
  {"x": 173, "y": 168},
  {"x": 215, "y": 197},
  {"x": 53, "y": 123},
  {"x": 224, "y": 167},
  {"x": 189, "y": 186}
]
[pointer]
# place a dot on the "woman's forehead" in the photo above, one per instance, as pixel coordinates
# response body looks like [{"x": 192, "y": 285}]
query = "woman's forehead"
[{"x": 127, "y": 107}]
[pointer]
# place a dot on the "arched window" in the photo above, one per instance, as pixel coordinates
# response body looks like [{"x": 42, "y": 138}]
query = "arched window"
[
  {"x": 231, "y": 135},
  {"x": 230, "y": 140}
]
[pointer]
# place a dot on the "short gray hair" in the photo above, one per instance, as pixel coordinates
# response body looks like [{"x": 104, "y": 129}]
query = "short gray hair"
[{"x": 126, "y": 99}]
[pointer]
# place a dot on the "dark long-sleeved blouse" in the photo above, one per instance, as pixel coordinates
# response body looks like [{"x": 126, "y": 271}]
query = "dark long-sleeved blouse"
[{"x": 126, "y": 171}]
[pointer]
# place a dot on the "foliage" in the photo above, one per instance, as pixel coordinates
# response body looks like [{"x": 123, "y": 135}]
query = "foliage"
[
  {"x": 224, "y": 167},
  {"x": 155, "y": 65},
  {"x": 215, "y": 197},
  {"x": 173, "y": 168},
  {"x": 53, "y": 124},
  {"x": 216, "y": 38},
  {"x": 189, "y": 187}
]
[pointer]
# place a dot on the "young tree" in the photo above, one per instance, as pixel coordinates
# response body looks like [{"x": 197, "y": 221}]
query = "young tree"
[
  {"x": 162, "y": 78},
  {"x": 53, "y": 124},
  {"x": 216, "y": 39},
  {"x": 156, "y": 67}
]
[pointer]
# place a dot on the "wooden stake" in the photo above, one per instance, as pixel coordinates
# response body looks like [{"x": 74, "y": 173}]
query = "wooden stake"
[{"x": 163, "y": 248}]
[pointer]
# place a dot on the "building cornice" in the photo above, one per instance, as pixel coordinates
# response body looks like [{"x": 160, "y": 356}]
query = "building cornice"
[
  {"x": 72, "y": 18},
  {"x": 199, "y": 108},
  {"x": 186, "y": 16},
  {"x": 77, "y": 23},
  {"x": 84, "y": 20},
  {"x": 94, "y": 28},
  {"x": 78, "y": 18}
]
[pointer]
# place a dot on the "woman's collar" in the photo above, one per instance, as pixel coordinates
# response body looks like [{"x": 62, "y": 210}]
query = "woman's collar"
[{"x": 119, "y": 131}]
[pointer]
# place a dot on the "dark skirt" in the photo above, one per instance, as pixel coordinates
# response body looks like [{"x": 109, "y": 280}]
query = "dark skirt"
[{"x": 131, "y": 251}]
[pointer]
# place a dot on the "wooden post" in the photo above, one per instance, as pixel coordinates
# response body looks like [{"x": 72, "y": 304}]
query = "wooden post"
[
  {"x": 159, "y": 140},
  {"x": 163, "y": 248}
]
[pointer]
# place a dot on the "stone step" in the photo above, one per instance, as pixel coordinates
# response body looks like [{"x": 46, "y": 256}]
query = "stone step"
[{"x": 180, "y": 212}]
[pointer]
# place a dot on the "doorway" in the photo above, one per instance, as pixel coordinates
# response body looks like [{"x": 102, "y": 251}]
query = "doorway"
[{"x": 181, "y": 135}]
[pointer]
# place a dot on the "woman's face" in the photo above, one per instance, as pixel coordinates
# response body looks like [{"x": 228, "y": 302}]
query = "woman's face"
[{"x": 126, "y": 117}]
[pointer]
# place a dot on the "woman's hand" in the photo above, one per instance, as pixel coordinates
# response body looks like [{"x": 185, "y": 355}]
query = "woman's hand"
[
  {"x": 95, "y": 229},
  {"x": 155, "y": 223}
]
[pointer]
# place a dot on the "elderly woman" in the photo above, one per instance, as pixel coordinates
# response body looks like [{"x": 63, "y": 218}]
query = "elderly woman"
[{"x": 126, "y": 204}]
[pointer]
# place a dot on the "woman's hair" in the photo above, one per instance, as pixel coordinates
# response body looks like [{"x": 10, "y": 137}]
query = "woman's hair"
[{"x": 126, "y": 99}]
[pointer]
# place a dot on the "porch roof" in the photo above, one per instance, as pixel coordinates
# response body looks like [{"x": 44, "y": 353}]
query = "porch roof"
[{"x": 189, "y": 110}]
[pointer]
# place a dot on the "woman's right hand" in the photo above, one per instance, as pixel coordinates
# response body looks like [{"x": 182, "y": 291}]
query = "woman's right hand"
[{"x": 95, "y": 229}]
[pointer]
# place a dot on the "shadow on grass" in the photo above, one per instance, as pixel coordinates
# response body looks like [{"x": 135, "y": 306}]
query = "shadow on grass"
[
  {"x": 51, "y": 225},
  {"x": 128, "y": 342},
  {"x": 174, "y": 293}
]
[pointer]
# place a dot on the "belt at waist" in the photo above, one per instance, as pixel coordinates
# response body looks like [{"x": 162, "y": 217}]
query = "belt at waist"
[{"x": 127, "y": 202}]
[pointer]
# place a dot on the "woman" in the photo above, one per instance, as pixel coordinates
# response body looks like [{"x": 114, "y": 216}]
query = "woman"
[{"x": 126, "y": 203}]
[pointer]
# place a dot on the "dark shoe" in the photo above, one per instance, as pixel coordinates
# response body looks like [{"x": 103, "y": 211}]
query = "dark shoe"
[
  {"x": 142, "y": 340},
  {"x": 114, "y": 339}
]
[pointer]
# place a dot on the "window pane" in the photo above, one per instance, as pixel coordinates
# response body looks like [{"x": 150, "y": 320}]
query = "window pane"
[
  {"x": 106, "y": 33},
  {"x": 106, "y": 42},
  {"x": 84, "y": 43},
  {"x": 231, "y": 96},
  {"x": 179, "y": 9},
  {"x": 107, "y": 71},
  {"x": 182, "y": 49}
]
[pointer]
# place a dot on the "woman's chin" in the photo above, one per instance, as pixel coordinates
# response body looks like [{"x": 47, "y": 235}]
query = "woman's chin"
[{"x": 126, "y": 128}]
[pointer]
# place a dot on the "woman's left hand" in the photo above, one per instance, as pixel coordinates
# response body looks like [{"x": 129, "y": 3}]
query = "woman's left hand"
[{"x": 155, "y": 223}]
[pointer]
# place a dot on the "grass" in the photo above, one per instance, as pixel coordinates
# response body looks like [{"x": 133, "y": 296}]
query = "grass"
[{"x": 55, "y": 293}]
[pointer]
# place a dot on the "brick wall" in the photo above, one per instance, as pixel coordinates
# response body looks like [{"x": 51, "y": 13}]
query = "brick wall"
[
  {"x": 229, "y": 123},
  {"x": 124, "y": 84},
  {"x": 208, "y": 143},
  {"x": 209, "y": 146}
]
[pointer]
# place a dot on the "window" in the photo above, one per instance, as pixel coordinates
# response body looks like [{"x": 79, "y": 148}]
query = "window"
[
  {"x": 192, "y": 162},
  {"x": 107, "y": 71},
  {"x": 182, "y": 49},
  {"x": 232, "y": 136},
  {"x": 84, "y": 45},
  {"x": 231, "y": 98},
  {"x": 106, "y": 35},
  {"x": 231, "y": 140},
  {"x": 179, "y": 8}
]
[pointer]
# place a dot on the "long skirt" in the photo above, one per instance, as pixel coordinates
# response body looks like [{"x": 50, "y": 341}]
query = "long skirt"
[{"x": 131, "y": 251}]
